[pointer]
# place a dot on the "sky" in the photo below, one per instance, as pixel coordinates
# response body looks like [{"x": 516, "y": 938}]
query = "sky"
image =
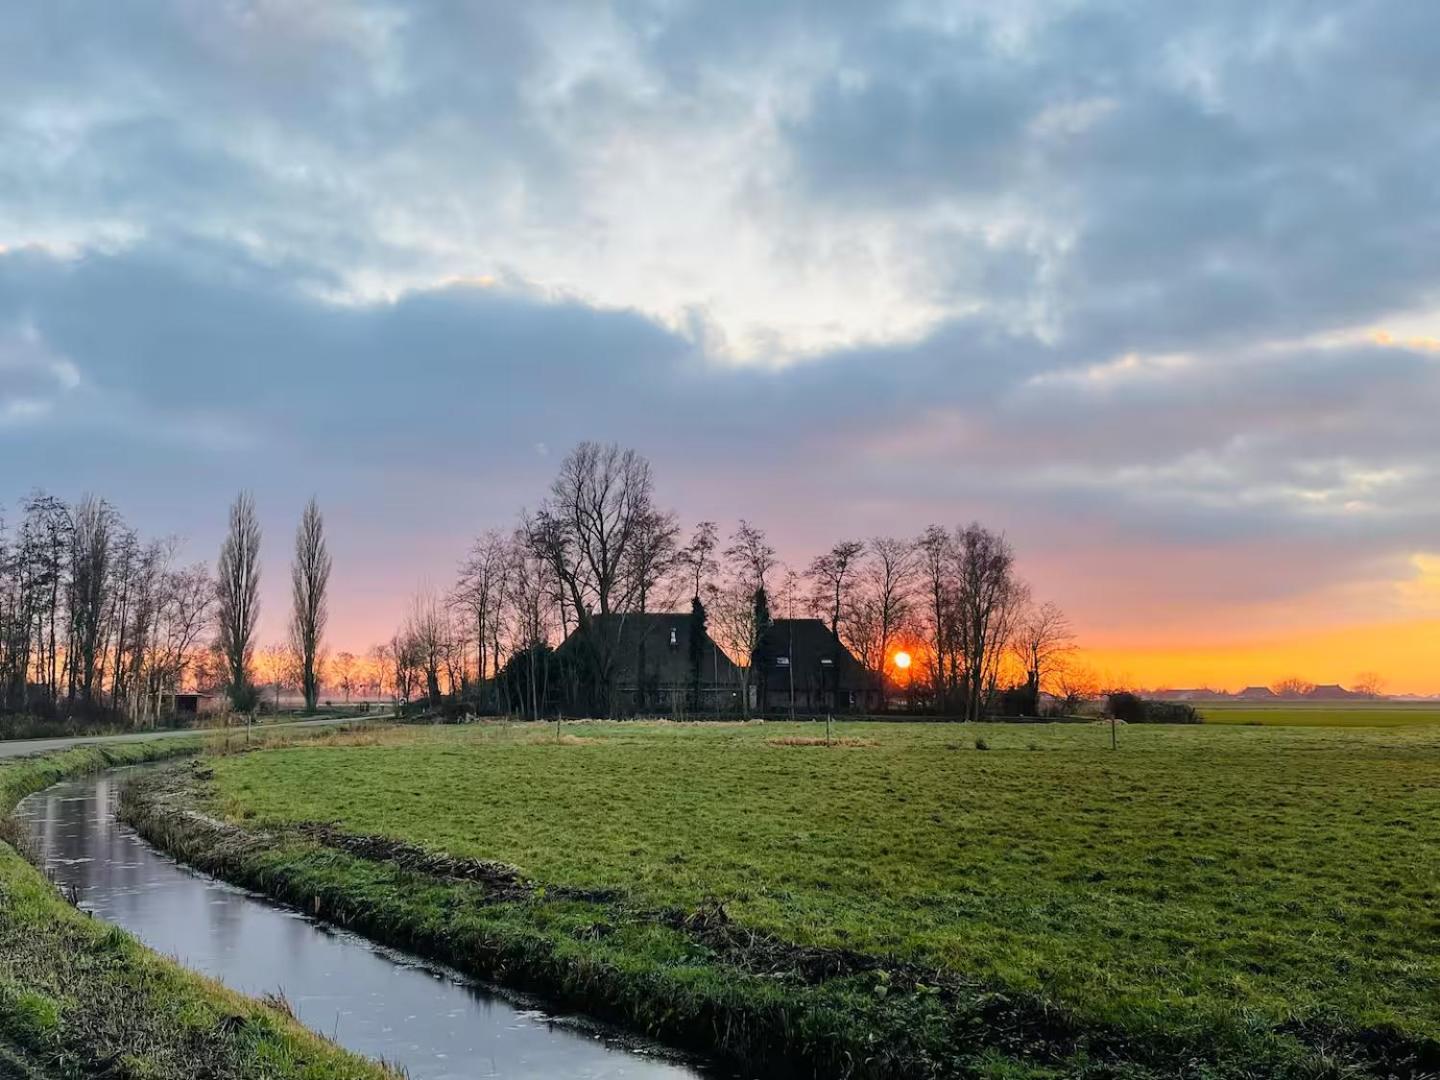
[{"x": 1153, "y": 288}]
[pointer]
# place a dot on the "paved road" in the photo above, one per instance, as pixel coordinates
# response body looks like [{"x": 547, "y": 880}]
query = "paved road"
[{"x": 21, "y": 747}]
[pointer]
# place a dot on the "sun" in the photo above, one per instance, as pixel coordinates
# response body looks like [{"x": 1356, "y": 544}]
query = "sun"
[{"x": 902, "y": 660}]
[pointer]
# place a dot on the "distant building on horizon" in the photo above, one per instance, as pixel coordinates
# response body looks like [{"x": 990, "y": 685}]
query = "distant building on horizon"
[
  {"x": 1257, "y": 693},
  {"x": 1331, "y": 692},
  {"x": 1203, "y": 693}
]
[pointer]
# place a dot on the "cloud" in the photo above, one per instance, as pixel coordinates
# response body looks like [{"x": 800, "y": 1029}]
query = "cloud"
[
  {"x": 1124, "y": 281},
  {"x": 33, "y": 379}
]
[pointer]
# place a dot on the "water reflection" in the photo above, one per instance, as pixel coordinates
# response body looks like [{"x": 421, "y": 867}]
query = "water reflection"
[{"x": 381, "y": 1004}]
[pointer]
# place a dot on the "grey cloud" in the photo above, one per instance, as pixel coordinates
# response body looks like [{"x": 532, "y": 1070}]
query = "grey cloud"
[
  {"x": 1062, "y": 186},
  {"x": 1246, "y": 170},
  {"x": 476, "y": 369}
]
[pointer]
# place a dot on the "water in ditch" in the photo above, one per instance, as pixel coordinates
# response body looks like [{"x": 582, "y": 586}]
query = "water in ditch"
[{"x": 436, "y": 1024}]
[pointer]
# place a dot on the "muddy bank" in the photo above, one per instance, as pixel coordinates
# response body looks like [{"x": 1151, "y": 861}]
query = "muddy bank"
[{"x": 697, "y": 980}]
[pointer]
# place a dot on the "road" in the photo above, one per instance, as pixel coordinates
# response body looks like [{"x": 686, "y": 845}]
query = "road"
[{"x": 22, "y": 747}]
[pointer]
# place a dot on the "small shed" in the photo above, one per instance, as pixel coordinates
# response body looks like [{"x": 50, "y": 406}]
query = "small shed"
[{"x": 196, "y": 703}]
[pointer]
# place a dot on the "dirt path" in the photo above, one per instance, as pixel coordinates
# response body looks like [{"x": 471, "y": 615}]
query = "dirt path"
[{"x": 24, "y": 747}]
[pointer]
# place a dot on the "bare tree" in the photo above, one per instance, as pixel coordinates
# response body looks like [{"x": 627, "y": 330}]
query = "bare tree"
[
  {"x": 383, "y": 662},
  {"x": 744, "y": 608},
  {"x": 531, "y": 610},
  {"x": 143, "y": 672},
  {"x": 1370, "y": 684},
  {"x": 987, "y": 597},
  {"x": 730, "y": 622},
  {"x": 1042, "y": 639},
  {"x": 698, "y": 557},
  {"x": 750, "y": 556},
  {"x": 345, "y": 668},
  {"x": 890, "y": 574},
  {"x": 88, "y": 599},
  {"x": 239, "y": 598},
  {"x": 278, "y": 668},
  {"x": 402, "y": 656},
  {"x": 426, "y": 637},
  {"x": 651, "y": 558},
  {"x": 1292, "y": 687},
  {"x": 599, "y": 511},
  {"x": 936, "y": 549},
  {"x": 479, "y": 590},
  {"x": 1077, "y": 685},
  {"x": 45, "y": 538},
  {"x": 829, "y": 575},
  {"x": 175, "y": 615},
  {"x": 125, "y": 565},
  {"x": 455, "y": 650},
  {"x": 309, "y": 584}
]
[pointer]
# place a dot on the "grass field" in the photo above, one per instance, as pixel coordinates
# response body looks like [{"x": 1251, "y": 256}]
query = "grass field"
[
  {"x": 1206, "y": 882},
  {"x": 1302, "y": 714}
]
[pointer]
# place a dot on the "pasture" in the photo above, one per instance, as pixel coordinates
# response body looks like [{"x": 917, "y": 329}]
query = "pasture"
[
  {"x": 1198, "y": 880},
  {"x": 1322, "y": 714}
]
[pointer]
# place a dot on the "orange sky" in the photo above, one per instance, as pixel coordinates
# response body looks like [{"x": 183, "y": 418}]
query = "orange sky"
[
  {"x": 1407, "y": 654},
  {"x": 1150, "y": 643}
]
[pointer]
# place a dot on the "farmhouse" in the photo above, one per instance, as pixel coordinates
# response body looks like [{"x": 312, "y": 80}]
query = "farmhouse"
[
  {"x": 801, "y": 664},
  {"x": 653, "y": 665}
]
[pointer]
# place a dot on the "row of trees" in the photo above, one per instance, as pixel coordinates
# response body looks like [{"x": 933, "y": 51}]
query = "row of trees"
[
  {"x": 96, "y": 620},
  {"x": 238, "y": 603},
  {"x": 93, "y": 617},
  {"x": 599, "y": 546}
]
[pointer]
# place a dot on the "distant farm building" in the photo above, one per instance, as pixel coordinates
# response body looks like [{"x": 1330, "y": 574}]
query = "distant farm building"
[
  {"x": 1201, "y": 694},
  {"x": 1257, "y": 693},
  {"x": 1332, "y": 692}
]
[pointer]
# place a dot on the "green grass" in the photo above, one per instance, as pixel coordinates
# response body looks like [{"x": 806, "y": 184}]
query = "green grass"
[
  {"x": 1293, "y": 714},
  {"x": 1223, "y": 886},
  {"x": 80, "y": 998}
]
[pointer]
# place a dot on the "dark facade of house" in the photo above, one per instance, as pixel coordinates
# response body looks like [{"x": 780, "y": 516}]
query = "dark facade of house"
[
  {"x": 800, "y": 664},
  {"x": 653, "y": 671}
]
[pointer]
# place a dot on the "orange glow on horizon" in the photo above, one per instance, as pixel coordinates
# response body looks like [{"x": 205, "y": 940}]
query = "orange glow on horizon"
[{"x": 1406, "y": 654}]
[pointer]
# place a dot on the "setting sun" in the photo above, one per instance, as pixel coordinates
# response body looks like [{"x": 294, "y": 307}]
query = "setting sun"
[{"x": 902, "y": 660}]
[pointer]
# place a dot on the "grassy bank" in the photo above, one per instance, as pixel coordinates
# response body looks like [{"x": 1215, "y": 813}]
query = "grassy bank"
[
  {"x": 1219, "y": 902},
  {"x": 79, "y": 998}
]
